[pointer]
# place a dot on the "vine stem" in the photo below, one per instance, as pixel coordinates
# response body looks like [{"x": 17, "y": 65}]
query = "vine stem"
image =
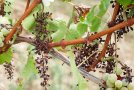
[
  {"x": 108, "y": 38},
  {"x": 64, "y": 43},
  {"x": 26, "y": 13}
]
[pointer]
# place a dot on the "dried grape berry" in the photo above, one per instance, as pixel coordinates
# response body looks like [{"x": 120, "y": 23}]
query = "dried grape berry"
[{"x": 9, "y": 70}]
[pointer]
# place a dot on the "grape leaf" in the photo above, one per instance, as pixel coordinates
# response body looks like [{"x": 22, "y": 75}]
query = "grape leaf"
[
  {"x": 82, "y": 83},
  {"x": 82, "y": 28},
  {"x": 72, "y": 32},
  {"x": 52, "y": 25},
  {"x": 6, "y": 56},
  {"x": 29, "y": 68},
  {"x": 29, "y": 71},
  {"x": 125, "y": 3},
  {"x": 94, "y": 18},
  {"x": 61, "y": 32},
  {"x": 66, "y": 0},
  {"x": 90, "y": 15},
  {"x": 29, "y": 22}
]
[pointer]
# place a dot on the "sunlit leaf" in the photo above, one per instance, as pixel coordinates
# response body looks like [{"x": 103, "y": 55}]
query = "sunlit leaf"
[
  {"x": 52, "y": 25},
  {"x": 94, "y": 17},
  {"x": 82, "y": 28},
  {"x": 6, "y": 56},
  {"x": 125, "y": 3},
  {"x": 60, "y": 33},
  {"x": 72, "y": 32},
  {"x": 29, "y": 68}
]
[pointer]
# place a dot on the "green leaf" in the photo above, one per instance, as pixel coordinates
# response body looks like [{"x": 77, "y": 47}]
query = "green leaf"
[
  {"x": 131, "y": 12},
  {"x": 82, "y": 83},
  {"x": 72, "y": 33},
  {"x": 90, "y": 15},
  {"x": 66, "y": 0},
  {"x": 29, "y": 22},
  {"x": 125, "y": 3},
  {"x": 82, "y": 28},
  {"x": 94, "y": 18},
  {"x": 61, "y": 32},
  {"x": 29, "y": 68},
  {"x": 6, "y": 56},
  {"x": 95, "y": 25},
  {"x": 52, "y": 25}
]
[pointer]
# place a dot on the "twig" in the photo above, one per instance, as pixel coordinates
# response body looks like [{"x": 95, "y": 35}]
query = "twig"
[{"x": 20, "y": 39}]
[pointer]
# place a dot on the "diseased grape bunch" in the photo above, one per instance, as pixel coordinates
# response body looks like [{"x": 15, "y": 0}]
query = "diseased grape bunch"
[
  {"x": 122, "y": 16},
  {"x": 41, "y": 45}
]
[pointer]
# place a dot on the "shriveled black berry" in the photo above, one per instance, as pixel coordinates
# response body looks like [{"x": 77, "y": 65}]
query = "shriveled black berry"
[
  {"x": 9, "y": 70},
  {"x": 42, "y": 41}
]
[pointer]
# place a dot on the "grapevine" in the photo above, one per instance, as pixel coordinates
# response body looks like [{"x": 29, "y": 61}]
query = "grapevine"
[{"x": 85, "y": 48}]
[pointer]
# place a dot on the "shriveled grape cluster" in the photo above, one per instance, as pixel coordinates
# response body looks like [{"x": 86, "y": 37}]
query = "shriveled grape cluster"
[
  {"x": 87, "y": 54},
  {"x": 41, "y": 65},
  {"x": 9, "y": 70},
  {"x": 41, "y": 45},
  {"x": 108, "y": 62},
  {"x": 123, "y": 15}
]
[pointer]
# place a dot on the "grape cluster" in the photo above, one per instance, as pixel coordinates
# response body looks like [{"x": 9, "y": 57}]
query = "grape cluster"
[
  {"x": 116, "y": 80},
  {"x": 127, "y": 73},
  {"x": 108, "y": 62},
  {"x": 42, "y": 67},
  {"x": 9, "y": 70},
  {"x": 42, "y": 41},
  {"x": 87, "y": 53},
  {"x": 121, "y": 17},
  {"x": 113, "y": 83}
]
